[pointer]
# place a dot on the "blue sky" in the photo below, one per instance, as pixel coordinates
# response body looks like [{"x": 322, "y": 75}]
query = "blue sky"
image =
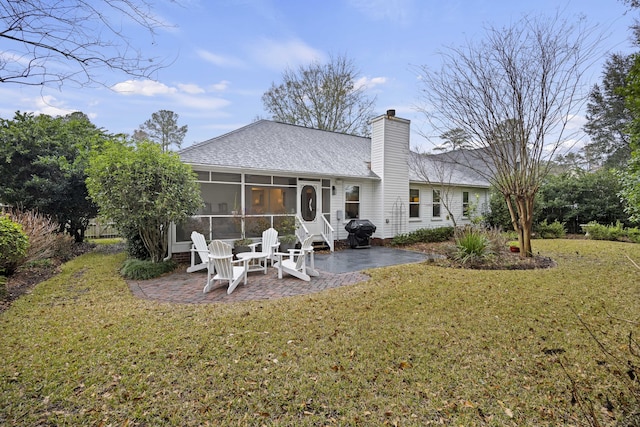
[{"x": 224, "y": 54}]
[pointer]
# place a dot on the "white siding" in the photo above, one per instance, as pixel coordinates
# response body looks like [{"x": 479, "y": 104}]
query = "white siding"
[
  {"x": 426, "y": 219},
  {"x": 389, "y": 160}
]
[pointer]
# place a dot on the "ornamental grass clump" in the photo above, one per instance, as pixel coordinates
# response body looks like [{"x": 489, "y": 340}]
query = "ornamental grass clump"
[{"x": 472, "y": 245}]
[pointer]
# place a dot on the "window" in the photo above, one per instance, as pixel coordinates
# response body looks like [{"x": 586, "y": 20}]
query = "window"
[
  {"x": 220, "y": 199},
  {"x": 263, "y": 200},
  {"x": 465, "y": 204},
  {"x": 352, "y": 202},
  {"x": 414, "y": 203},
  {"x": 436, "y": 204}
]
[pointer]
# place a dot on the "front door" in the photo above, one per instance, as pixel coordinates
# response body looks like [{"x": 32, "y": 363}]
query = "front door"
[{"x": 310, "y": 205}]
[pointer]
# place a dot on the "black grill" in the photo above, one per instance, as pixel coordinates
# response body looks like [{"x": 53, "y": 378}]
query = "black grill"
[{"x": 360, "y": 232}]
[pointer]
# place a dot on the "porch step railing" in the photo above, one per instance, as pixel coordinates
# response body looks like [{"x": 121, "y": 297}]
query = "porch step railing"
[
  {"x": 327, "y": 232},
  {"x": 302, "y": 232}
]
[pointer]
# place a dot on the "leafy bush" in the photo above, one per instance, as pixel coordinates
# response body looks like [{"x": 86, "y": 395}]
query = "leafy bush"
[
  {"x": 136, "y": 269},
  {"x": 41, "y": 231},
  {"x": 13, "y": 245},
  {"x": 472, "y": 244},
  {"x": 424, "y": 235},
  {"x": 597, "y": 231},
  {"x": 634, "y": 234},
  {"x": 555, "y": 230},
  {"x": 135, "y": 246}
]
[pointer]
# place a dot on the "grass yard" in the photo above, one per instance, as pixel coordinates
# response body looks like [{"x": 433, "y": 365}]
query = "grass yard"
[{"x": 416, "y": 345}]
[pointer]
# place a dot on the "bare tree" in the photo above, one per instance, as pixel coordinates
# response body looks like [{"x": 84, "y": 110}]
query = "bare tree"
[
  {"x": 513, "y": 93},
  {"x": 322, "y": 96},
  {"x": 162, "y": 128},
  {"x": 50, "y": 42}
]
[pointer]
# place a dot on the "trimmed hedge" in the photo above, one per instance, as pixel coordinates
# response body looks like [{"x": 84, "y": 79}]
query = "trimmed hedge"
[
  {"x": 424, "y": 235},
  {"x": 612, "y": 232},
  {"x": 555, "y": 230}
]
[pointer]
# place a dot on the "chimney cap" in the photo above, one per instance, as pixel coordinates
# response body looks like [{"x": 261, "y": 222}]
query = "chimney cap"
[{"x": 391, "y": 113}]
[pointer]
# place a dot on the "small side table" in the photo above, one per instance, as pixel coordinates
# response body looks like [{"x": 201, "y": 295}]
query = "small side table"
[{"x": 256, "y": 261}]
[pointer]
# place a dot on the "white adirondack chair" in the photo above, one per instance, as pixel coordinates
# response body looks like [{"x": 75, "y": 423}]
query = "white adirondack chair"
[
  {"x": 269, "y": 244},
  {"x": 296, "y": 263},
  {"x": 198, "y": 250},
  {"x": 226, "y": 269}
]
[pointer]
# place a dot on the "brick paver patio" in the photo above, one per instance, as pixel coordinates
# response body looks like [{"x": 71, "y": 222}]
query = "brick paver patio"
[
  {"x": 183, "y": 287},
  {"x": 336, "y": 269}
]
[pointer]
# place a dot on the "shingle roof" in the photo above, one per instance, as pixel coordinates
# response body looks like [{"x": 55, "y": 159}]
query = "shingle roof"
[
  {"x": 278, "y": 147},
  {"x": 454, "y": 168}
]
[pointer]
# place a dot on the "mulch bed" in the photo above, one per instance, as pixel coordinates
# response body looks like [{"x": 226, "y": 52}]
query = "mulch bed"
[{"x": 506, "y": 260}]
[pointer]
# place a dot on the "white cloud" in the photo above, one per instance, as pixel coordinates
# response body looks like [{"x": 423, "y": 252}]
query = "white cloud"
[
  {"x": 219, "y": 60},
  {"x": 576, "y": 122},
  {"x": 49, "y": 105},
  {"x": 279, "y": 55},
  {"x": 369, "y": 83},
  {"x": 221, "y": 86},
  {"x": 190, "y": 88},
  {"x": 143, "y": 87}
]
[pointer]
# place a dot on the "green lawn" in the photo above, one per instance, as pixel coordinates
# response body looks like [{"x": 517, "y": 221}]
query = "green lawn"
[{"x": 416, "y": 345}]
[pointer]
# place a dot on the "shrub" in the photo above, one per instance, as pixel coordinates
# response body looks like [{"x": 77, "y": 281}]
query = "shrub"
[
  {"x": 13, "y": 245},
  {"x": 136, "y": 269},
  {"x": 424, "y": 235},
  {"x": 634, "y": 234},
  {"x": 597, "y": 231},
  {"x": 555, "y": 230},
  {"x": 135, "y": 246},
  {"x": 41, "y": 231},
  {"x": 472, "y": 244}
]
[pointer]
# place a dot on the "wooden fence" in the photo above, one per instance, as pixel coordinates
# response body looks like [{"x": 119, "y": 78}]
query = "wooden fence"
[{"x": 98, "y": 230}]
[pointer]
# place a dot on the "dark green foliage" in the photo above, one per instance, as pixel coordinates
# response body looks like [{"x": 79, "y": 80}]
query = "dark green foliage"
[
  {"x": 13, "y": 245},
  {"x": 633, "y": 234},
  {"x": 612, "y": 232},
  {"x": 136, "y": 269},
  {"x": 608, "y": 115},
  {"x": 424, "y": 235},
  {"x": 134, "y": 245},
  {"x": 630, "y": 186},
  {"x": 141, "y": 188},
  {"x": 498, "y": 215},
  {"x": 580, "y": 197},
  {"x": 555, "y": 230},
  {"x": 42, "y": 165}
]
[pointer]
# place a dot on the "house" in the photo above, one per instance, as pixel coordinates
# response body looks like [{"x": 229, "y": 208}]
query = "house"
[{"x": 270, "y": 173}]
